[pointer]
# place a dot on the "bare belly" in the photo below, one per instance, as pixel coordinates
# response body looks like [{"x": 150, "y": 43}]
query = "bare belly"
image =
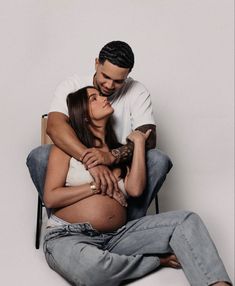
[{"x": 102, "y": 212}]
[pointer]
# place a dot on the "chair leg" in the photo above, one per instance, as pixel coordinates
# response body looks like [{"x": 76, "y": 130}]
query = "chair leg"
[
  {"x": 39, "y": 223},
  {"x": 156, "y": 205}
]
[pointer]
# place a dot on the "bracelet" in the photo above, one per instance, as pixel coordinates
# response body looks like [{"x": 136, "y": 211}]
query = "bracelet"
[{"x": 93, "y": 187}]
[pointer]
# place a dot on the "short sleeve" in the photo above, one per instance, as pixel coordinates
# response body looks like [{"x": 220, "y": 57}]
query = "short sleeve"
[
  {"x": 66, "y": 87},
  {"x": 141, "y": 106}
]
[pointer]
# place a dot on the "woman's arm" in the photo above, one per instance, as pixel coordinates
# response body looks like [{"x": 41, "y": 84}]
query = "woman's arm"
[
  {"x": 56, "y": 195},
  {"x": 136, "y": 179}
]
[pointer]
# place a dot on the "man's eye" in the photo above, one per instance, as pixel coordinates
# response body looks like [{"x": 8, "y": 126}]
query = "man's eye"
[{"x": 119, "y": 81}]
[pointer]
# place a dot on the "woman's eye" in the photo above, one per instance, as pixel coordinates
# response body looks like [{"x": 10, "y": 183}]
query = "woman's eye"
[{"x": 92, "y": 98}]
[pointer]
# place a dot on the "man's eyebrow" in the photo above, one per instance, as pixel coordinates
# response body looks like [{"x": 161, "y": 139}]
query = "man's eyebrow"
[{"x": 122, "y": 79}]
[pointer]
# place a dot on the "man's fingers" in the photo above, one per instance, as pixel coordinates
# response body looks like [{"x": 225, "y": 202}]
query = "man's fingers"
[
  {"x": 95, "y": 163},
  {"x": 91, "y": 161},
  {"x": 88, "y": 157},
  {"x": 87, "y": 151}
]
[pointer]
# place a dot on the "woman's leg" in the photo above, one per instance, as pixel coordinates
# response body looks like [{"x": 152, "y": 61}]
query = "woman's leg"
[
  {"x": 75, "y": 252},
  {"x": 180, "y": 232}
]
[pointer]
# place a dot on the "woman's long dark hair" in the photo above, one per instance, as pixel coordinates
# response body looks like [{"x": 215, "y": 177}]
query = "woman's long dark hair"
[{"x": 80, "y": 120}]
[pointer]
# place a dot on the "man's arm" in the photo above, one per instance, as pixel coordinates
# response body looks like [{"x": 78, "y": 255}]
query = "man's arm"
[
  {"x": 62, "y": 134},
  {"x": 64, "y": 137},
  {"x": 93, "y": 157},
  {"x": 125, "y": 153}
]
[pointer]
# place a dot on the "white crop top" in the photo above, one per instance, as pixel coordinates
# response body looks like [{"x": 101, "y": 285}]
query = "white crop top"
[{"x": 78, "y": 175}]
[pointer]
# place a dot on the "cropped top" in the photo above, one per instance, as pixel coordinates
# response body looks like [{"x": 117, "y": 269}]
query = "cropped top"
[{"x": 78, "y": 175}]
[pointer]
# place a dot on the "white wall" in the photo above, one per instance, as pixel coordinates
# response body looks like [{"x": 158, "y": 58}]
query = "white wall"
[{"x": 184, "y": 55}]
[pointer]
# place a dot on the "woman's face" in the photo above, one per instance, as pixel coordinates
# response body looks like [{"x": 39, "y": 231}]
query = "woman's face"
[{"x": 99, "y": 107}]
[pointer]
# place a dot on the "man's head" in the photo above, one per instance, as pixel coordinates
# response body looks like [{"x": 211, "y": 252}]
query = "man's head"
[{"x": 115, "y": 62}]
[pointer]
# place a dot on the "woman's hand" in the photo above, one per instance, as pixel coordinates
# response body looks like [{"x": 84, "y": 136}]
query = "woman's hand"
[
  {"x": 120, "y": 198},
  {"x": 138, "y": 136}
]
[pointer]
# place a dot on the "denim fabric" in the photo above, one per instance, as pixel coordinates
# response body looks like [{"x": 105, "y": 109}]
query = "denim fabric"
[
  {"x": 158, "y": 165},
  {"x": 83, "y": 256}
]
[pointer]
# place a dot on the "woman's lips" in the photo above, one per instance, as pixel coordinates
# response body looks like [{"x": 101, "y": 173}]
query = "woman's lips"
[{"x": 106, "y": 104}]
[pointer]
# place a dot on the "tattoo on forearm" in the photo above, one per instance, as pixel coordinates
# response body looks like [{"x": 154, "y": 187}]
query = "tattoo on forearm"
[{"x": 125, "y": 153}]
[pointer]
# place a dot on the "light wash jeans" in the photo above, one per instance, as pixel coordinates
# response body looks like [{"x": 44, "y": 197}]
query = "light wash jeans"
[
  {"x": 158, "y": 165},
  {"x": 85, "y": 257}
]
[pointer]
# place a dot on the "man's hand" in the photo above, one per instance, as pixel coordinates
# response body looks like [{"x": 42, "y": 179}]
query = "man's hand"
[
  {"x": 104, "y": 180},
  {"x": 169, "y": 260},
  {"x": 92, "y": 157}
]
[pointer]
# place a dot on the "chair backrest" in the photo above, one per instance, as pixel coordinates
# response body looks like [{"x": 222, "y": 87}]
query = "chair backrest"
[{"x": 45, "y": 139}]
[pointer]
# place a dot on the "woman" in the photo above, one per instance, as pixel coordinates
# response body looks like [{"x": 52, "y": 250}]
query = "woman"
[{"x": 89, "y": 241}]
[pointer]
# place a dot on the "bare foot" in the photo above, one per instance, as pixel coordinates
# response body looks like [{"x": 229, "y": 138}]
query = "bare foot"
[{"x": 170, "y": 260}]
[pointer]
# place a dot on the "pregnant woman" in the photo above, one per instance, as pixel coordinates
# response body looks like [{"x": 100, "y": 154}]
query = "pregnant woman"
[{"x": 89, "y": 240}]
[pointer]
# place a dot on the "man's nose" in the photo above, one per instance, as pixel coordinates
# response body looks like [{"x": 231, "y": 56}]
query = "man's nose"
[{"x": 110, "y": 84}]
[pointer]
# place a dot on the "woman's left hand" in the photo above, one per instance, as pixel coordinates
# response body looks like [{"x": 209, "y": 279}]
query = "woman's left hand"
[{"x": 137, "y": 135}]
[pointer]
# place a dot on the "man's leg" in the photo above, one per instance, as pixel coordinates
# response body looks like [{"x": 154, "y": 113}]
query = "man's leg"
[
  {"x": 158, "y": 165},
  {"x": 37, "y": 165}
]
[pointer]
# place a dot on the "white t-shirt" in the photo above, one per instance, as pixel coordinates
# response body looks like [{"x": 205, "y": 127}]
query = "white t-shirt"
[{"x": 132, "y": 104}]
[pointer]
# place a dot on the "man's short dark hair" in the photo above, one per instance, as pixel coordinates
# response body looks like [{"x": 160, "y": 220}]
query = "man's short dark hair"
[{"x": 118, "y": 53}]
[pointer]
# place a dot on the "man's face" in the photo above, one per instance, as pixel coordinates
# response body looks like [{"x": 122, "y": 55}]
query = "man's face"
[{"x": 109, "y": 78}]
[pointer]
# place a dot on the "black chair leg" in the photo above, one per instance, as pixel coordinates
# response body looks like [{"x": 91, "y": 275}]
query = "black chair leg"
[
  {"x": 156, "y": 205},
  {"x": 39, "y": 223}
]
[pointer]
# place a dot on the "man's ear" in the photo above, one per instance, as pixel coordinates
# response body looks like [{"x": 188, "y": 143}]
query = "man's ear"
[{"x": 96, "y": 63}]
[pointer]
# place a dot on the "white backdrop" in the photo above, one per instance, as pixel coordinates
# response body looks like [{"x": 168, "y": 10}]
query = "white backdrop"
[{"x": 184, "y": 55}]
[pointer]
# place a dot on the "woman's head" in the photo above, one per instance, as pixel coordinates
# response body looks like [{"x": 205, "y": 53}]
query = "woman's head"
[
  {"x": 87, "y": 104},
  {"x": 88, "y": 109}
]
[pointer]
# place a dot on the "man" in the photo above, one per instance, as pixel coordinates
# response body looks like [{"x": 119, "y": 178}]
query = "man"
[{"x": 132, "y": 110}]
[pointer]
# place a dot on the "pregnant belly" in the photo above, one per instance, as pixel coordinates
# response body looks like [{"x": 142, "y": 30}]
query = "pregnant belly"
[{"x": 102, "y": 212}]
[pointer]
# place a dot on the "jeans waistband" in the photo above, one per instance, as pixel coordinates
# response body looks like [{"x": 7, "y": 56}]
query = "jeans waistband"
[
  {"x": 74, "y": 229},
  {"x": 70, "y": 229}
]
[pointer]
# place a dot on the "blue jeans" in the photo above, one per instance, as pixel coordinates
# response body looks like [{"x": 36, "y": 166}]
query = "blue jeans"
[
  {"x": 85, "y": 257},
  {"x": 158, "y": 165}
]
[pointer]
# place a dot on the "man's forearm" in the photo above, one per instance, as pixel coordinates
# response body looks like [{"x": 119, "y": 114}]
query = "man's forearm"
[
  {"x": 63, "y": 135},
  {"x": 125, "y": 153}
]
